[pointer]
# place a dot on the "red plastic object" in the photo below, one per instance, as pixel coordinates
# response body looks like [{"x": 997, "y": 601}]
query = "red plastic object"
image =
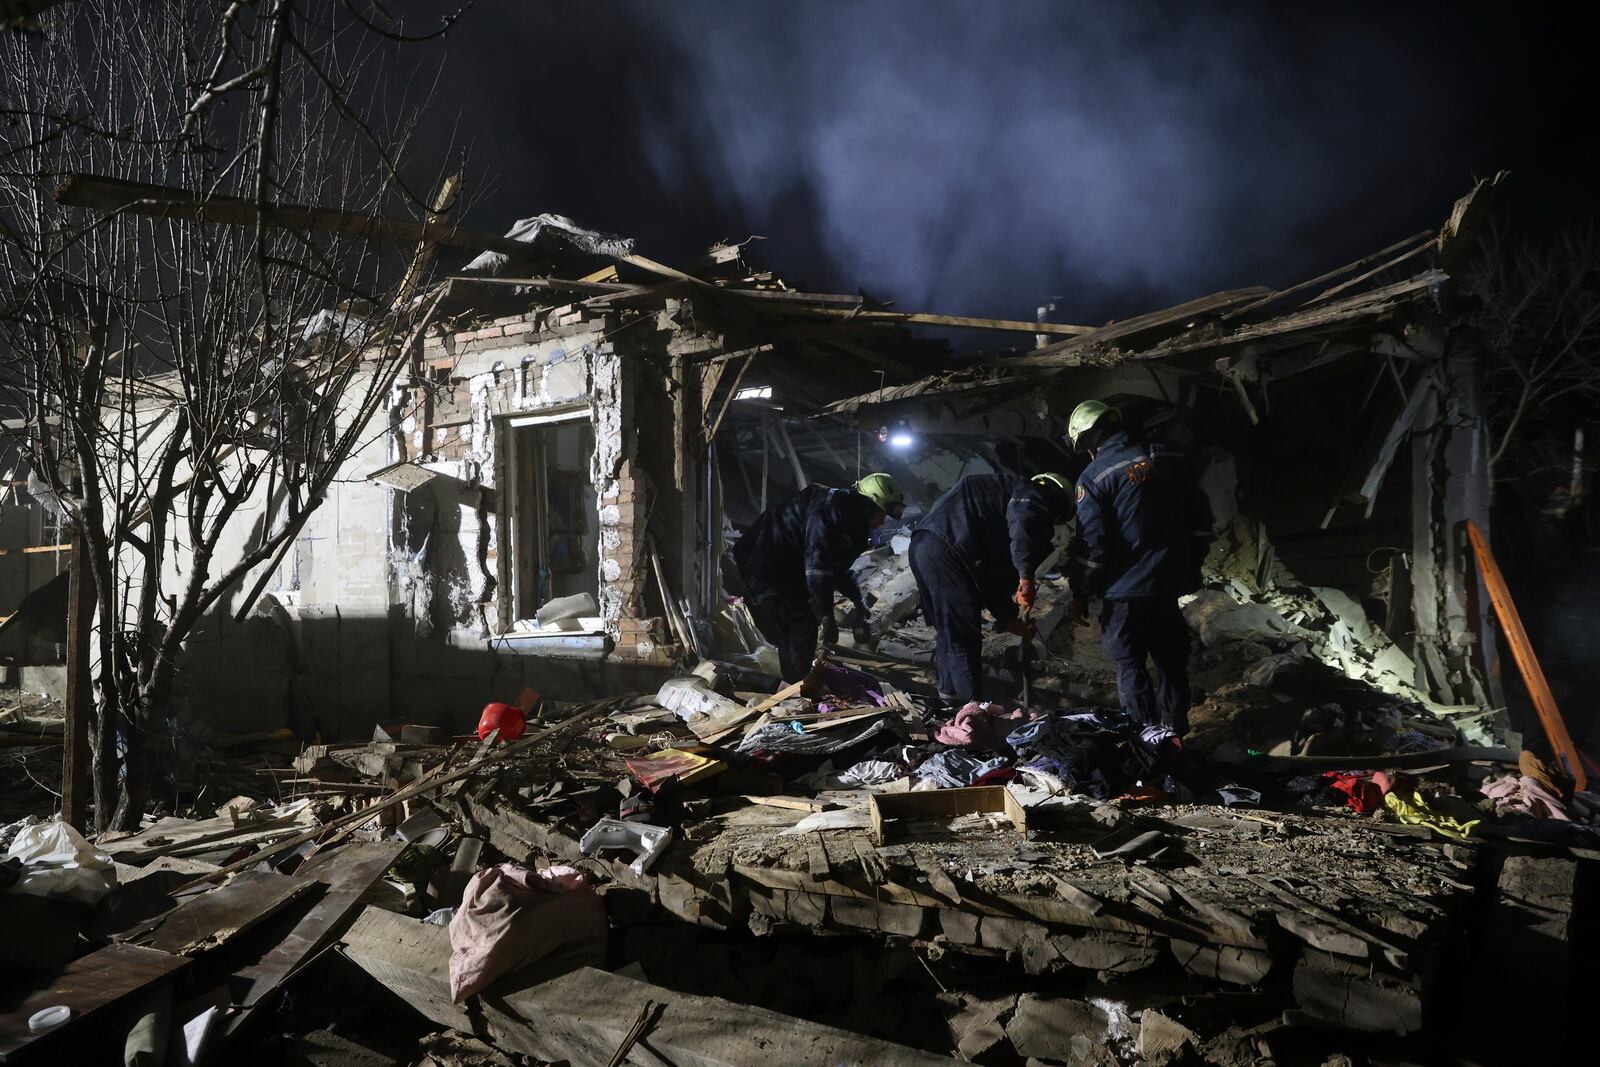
[{"x": 506, "y": 718}]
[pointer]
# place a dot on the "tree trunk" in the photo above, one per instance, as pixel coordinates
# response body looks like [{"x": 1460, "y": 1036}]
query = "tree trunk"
[{"x": 105, "y": 763}]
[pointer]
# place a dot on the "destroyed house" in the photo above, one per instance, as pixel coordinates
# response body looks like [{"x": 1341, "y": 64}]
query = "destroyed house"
[
  {"x": 548, "y": 498},
  {"x": 831, "y": 877},
  {"x": 540, "y": 505},
  {"x": 1338, "y": 430}
]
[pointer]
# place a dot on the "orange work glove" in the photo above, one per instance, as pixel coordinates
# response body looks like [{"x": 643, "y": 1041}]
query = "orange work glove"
[{"x": 1027, "y": 593}]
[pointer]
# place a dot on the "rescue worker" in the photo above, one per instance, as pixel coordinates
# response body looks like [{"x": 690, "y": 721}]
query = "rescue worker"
[
  {"x": 799, "y": 552},
  {"x": 978, "y": 547},
  {"x": 1143, "y": 529}
]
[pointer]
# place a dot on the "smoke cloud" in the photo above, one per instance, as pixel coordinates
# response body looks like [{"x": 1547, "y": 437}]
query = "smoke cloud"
[
  {"x": 984, "y": 157},
  {"x": 977, "y": 158}
]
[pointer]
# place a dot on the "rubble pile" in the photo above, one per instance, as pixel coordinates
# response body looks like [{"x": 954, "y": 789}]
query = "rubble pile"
[{"x": 827, "y": 869}]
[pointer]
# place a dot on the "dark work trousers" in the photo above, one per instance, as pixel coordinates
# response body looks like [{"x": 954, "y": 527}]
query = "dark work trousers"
[
  {"x": 788, "y": 623},
  {"x": 951, "y": 604},
  {"x": 1134, "y": 629}
]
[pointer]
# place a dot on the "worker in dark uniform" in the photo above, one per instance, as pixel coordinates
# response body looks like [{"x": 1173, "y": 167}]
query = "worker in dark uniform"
[
  {"x": 1143, "y": 529},
  {"x": 799, "y": 553},
  {"x": 978, "y": 547}
]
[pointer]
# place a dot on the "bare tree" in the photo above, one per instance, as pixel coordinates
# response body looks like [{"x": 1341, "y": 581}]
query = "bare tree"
[
  {"x": 185, "y": 387},
  {"x": 1539, "y": 320}
]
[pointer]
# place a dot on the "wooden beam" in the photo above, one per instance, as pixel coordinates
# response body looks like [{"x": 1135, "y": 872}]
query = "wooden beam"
[
  {"x": 167, "y": 202},
  {"x": 76, "y": 779},
  {"x": 1544, "y": 701},
  {"x": 727, "y": 401},
  {"x": 1323, "y": 279},
  {"x": 352, "y": 820},
  {"x": 965, "y": 322},
  {"x": 92, "y": 986},
  {"x": 34, "y": 550}
]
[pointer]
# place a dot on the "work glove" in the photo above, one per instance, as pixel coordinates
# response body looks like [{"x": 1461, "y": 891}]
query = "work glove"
[
  {"x": 1078, "y": 611},
  {"x": 830, "y": 629},
  {"x": 1027, "y": 593}
]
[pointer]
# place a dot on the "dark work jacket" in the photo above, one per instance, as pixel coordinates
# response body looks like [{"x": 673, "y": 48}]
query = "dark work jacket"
[
  {"x": 802, "y": 549},
  {"x": 1143, "y": 523},
  {"x": 1003, "y": 527}
]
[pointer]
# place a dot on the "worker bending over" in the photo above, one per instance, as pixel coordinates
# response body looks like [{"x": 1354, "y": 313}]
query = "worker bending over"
[
  {"x": 978, "y": 547},
  {"x": 1143, "y": 529},
  {"x": 799, "y": 552}
]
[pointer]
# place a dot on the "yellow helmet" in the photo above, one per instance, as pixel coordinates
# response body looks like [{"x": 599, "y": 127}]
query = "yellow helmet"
[
  {"x": 1087, "y": 416},
  {"x": 882, "y": 491}
]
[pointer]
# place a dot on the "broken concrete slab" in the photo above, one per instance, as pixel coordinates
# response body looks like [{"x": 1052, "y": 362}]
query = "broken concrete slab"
[
  {"x": 1359, "y": 1001},
  {"x": 1057, "y": 1029},
  {"x": 584, "y": 1015},
  {"x": 979, "y": 1024},
  {"x": 1227, "y": 963}
]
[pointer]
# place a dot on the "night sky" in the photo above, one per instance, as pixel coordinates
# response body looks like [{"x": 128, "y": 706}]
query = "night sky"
[{"x": 979, "y": 158}]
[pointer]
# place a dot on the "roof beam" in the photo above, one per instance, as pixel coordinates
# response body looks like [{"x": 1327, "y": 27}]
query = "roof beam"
[{"x": 160, "y": 201}]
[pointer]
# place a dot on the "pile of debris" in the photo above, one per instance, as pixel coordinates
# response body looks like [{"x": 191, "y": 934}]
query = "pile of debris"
[{"x": 634, "y": 876}]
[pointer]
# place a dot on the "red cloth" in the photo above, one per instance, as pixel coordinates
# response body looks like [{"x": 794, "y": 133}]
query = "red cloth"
[{"x": 1365, "y": 795}]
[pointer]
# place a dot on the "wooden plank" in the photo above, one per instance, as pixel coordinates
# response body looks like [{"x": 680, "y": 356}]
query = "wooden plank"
[
  {"x": 35, "y": 550},
  {"x": 1544, "y": 701},
  {"x": 791, "y": 803},
  {"x": 965, "y": 322},
  {"x": 90, "y": 986},
  {"x": 215, "y": 918},
  {"x": 723, "y": 727},
  {"x": 172, "y": 835},
  {"x": 1323, "y": 279},
  {"x": 347, "y": 874},
  {"x": 159, "y": 201},
  {"x": 733, "y": 392},
  {"x": 355, "y": 819},
  {"x": 1141, "y": 327},
  {"x": 1443, "y": 757}
]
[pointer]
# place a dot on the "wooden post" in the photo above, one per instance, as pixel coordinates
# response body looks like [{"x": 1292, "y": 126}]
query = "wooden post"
[
  {"x": 1544, "y": 702},
  {"x": 76, "y": 781}
]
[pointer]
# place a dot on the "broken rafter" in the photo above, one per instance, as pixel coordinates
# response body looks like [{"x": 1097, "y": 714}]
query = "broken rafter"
[
  {"x": 960, "y": 321},
  {"x": 140, "y": 198},
  {"x": 626, "y": 289},
  {"x": 1411, "y": 245},
  {"x": 1173, "y": 319}
]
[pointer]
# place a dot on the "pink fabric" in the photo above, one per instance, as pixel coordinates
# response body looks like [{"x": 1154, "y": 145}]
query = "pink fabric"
[
  {"x": 511, "y": 916},
  {"x": 978, "y": 726},
  {"x": 1522, "y": 795}
]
